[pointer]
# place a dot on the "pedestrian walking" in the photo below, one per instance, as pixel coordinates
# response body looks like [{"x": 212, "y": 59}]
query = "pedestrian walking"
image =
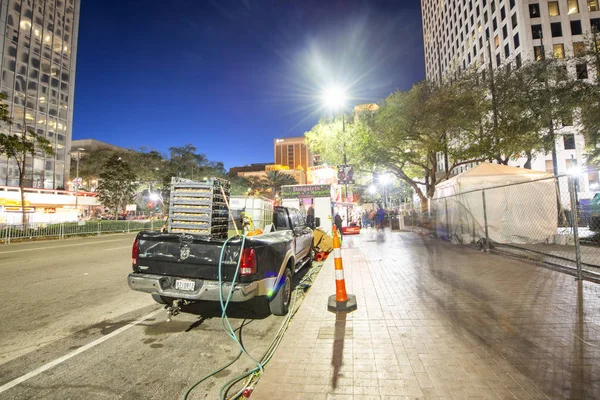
[
  {"x": 380, "y": 218},
  {"x": 337, "y": 220}
]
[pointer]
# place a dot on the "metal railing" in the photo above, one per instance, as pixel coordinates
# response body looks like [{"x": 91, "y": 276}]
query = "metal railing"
[
  {"x": 33, "y": 231},
  {"x": 541, "y": 220}
]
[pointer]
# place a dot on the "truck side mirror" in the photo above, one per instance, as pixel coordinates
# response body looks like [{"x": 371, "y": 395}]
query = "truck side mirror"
[{"x": 317, "y": 222}]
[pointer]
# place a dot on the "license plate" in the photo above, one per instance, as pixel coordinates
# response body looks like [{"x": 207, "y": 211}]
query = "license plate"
[{"x": 184, "y": 284}]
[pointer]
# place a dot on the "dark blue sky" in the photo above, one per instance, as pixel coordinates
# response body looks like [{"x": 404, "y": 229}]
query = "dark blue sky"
[{"x": 229, "y": 76}]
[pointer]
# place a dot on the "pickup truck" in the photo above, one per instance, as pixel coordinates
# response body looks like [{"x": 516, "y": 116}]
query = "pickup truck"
[{"x": 179, "y": 268}]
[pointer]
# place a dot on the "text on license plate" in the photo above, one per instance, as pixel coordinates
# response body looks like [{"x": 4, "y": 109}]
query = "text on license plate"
[{"x": 184, "y": 284}]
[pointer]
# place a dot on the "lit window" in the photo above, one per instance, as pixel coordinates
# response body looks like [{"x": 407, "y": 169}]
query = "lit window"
[
  {"x": 578, "y": 49},
  {"x": 537, "y": 52},
  {"x": 558, "y": 50},
  {"x": 496, "y": 41},
  {"x": 573, "y": 6},
  {"x": 553, "y": 9},
  {"x": 592, "y": 5}
]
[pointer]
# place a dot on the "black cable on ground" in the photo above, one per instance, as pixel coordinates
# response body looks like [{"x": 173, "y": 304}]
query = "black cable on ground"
[{"x": 302, "y": 287}]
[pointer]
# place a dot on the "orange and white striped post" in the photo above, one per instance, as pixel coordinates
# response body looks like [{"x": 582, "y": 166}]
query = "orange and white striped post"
[{"x": 340, "y": 301}]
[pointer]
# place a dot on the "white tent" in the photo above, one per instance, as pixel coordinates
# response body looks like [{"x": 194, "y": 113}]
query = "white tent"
[{"x": 522, "y": 210}]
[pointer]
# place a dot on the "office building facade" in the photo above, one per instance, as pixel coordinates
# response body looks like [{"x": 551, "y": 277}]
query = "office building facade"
[
  {"x": 469, "y": 35},
  {"x": 38, "y": 43},
  {"x": 293, "y": 153}
]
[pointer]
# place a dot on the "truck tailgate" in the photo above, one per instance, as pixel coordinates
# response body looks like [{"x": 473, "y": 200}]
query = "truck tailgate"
[{"x": 185, "y": 255}]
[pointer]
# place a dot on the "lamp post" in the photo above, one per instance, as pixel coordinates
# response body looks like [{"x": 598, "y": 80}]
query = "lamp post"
[
  {"x": 384, "y": 179},
  {"x": 373, "y": 190},
  {"x": 335, "y": 99},
  {"x": 77, "y": 180}
]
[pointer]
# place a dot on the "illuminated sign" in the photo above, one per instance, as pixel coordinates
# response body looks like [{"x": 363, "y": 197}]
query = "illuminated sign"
[
  {"x": 277, "y": 167},
  {"x": 299, "y": 191},
  {"x": 18, "y": 209},
  {"x": 12, "y": 202}
]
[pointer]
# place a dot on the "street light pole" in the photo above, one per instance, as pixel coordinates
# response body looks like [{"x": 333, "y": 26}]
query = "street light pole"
[{"x": 76, "y": 180}]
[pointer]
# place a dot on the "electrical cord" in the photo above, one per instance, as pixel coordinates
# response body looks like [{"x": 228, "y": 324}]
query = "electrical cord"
[{"x": 253, "y": 374}]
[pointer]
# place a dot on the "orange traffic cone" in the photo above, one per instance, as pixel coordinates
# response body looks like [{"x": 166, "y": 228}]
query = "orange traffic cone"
[
  {"x": 319, "y": 256},
  {"x": 340, "y": 301}
]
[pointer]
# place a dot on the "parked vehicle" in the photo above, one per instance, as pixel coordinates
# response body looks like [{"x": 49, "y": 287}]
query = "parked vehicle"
[
  {"x": 594, "y": 213},
  {"x": 179, "y": 268}
]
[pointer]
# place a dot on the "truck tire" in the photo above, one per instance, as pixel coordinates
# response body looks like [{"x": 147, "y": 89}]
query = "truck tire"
[
  {"x": 311, "y": 258},
  {"x": 280, "y": 304},
  {"x": 162, "y": 299},
  {"x": 595, "y": 224}
]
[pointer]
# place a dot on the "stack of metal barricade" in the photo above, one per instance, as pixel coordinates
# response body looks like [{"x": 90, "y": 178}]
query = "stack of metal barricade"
[{"x": 199, "y": 207}]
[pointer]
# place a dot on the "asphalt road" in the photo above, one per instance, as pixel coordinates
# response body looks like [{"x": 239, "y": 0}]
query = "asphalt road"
[{"x": 71, "y": 328}]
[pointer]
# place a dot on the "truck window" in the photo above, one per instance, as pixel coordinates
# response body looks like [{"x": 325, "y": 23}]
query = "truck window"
[
  {"x": 281, "y": 219},
  {"x": 297, "y": 219}
]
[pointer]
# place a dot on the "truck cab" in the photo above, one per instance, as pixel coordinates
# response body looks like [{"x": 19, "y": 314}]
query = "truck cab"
[{"x": 291, "y": 219}]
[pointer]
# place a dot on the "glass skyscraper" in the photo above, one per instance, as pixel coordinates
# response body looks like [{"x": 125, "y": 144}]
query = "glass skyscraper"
[{"x": 38, "y": 44}]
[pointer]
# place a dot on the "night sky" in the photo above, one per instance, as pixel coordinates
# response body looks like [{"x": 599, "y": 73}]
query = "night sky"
[{"x": 229, "y": 76}]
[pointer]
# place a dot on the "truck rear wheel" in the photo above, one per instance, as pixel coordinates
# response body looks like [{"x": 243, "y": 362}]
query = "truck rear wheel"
[
  {"x": 595, "y": 224},
  {"x": 280, "y": 304}
]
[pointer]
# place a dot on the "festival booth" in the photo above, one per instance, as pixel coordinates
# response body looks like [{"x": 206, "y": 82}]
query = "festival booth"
[
  {"x": 303, "y": 196},
  {"x": 516, "y": 213}
]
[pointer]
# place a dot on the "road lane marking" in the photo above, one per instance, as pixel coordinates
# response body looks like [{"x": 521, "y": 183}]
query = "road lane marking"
[
  {"x": 72, "y": 354},
  {"x": 64, "y": 245}
]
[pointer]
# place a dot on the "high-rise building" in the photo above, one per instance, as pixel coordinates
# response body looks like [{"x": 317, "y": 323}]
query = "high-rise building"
[
  {"x": 38, "y": 43},
  {"x": 460, "y": 35},
  {"x": 292, "y": 152}
]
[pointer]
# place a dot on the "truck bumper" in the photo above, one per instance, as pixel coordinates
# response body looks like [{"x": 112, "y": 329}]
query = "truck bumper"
[{"x": 204, "y": 289}]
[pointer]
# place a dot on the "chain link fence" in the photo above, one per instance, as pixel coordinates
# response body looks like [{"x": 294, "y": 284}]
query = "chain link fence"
[
  {"x": 33, "y": 231},
  {"x": 541, "y": 220}
]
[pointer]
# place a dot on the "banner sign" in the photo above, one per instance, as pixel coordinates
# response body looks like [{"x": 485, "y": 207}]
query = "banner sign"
[
  {"x": 298, "y": 191},
  {"x": 345, "y": 174}
]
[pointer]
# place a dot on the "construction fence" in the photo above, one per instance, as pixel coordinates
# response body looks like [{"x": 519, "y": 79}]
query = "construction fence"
[
  {"x": 32, "y": 231},
  {"x": 541, "y": 220}
]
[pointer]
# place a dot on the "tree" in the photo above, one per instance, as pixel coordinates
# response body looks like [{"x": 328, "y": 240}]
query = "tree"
[
  {"x": 20, "y": 147},
  {"x": 186, "y": 163},
  {"x": 334, "y": 139},
  {"x": 590, "y": 104},
  {"x": 413, "y": 127},
  {"x": 511, "y": 124},
  {"x": 271, "y": 184},
  {"x": 116, "y": 186},
  {"x": 91, "y": 163}
]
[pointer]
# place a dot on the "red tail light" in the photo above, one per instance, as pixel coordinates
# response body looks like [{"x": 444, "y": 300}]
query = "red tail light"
[
  {"x": 135, "y": 250},
  {"x": 248, "y": 263}
]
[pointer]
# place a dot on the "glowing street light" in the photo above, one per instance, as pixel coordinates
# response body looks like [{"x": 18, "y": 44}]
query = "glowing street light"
[{"x": 334, "y": 97}]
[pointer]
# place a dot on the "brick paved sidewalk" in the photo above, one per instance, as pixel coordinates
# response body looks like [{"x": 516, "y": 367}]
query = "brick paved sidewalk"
[{"x": 436, "y": 320}]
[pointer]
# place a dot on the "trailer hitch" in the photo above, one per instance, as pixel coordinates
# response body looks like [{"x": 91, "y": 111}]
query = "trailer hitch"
[{"x": 175, "y": 308}]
